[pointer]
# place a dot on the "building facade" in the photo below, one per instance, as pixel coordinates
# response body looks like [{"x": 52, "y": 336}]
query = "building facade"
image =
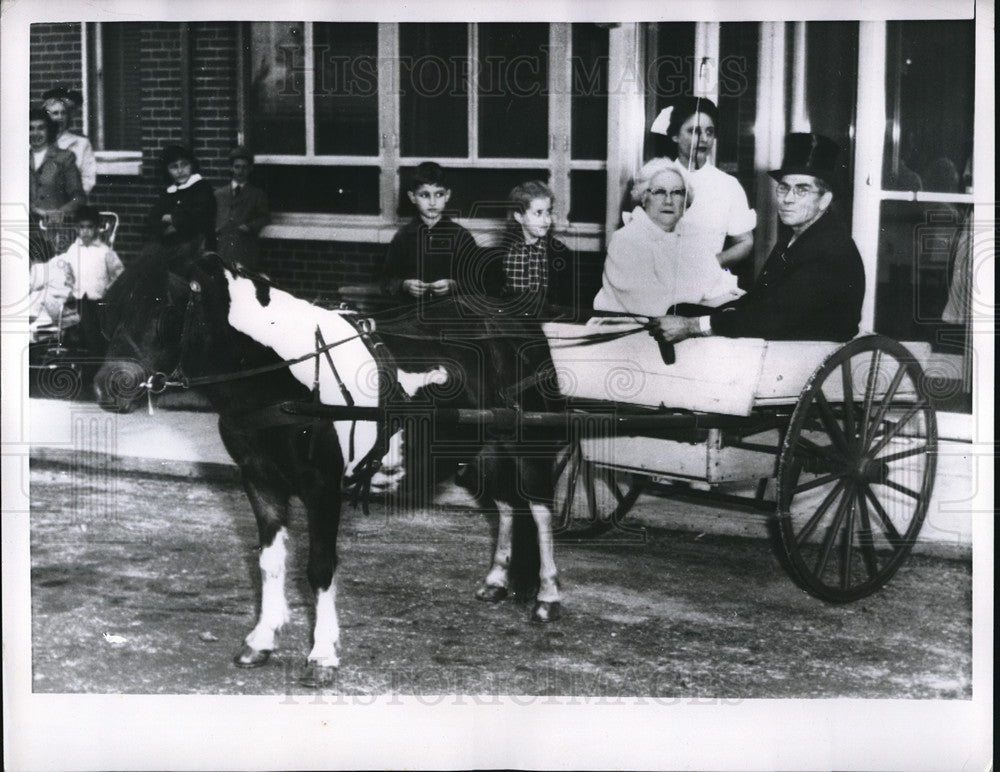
[{"x": 338, "y": 112}]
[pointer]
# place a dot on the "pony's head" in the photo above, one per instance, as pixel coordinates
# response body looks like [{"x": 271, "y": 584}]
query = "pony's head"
[{"x": 156, "y": 315}]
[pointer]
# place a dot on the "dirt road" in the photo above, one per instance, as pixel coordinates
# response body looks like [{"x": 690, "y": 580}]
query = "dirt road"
[{"x": 144, "y": 585}]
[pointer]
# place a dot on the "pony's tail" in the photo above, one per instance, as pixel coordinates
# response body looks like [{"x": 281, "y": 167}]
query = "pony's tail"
[{"x": 525, "y": 559}]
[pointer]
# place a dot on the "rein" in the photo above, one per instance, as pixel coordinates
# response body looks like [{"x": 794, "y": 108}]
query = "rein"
[{"x": 159, "y": 382}]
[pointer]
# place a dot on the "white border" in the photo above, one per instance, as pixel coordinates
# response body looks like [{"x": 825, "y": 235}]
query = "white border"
[{"x": 89, "y": 732}]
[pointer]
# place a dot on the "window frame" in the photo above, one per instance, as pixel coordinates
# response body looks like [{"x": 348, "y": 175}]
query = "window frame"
[
  {"x": 379, "y": 228},
  {"x": 110, "y": 161}
]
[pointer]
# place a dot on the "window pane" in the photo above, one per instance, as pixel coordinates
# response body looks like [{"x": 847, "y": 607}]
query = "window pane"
[
  {"x": 588, "y": 194},
  {"x": 433, "y": 86},
  {"x": 477, "y": 192},
  {"x": 831, "y": 98},
  {"x": 735, "y": 146},
  {"x": 929, "y": 105},
  {"x": 670, "y": 75},
  {"x": 589, "y": 108},
  {"x": 325, "y": 189},
  {"x": 122, "y": 86},
  {"x": 277, "y": 88},
  {"x": 513, "y": 90},
  {"x": 924, "y": 285},
  {"x": 346, "y": 88}
]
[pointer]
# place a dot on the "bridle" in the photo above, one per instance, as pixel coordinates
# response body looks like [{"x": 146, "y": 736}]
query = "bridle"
[{"x": 160, "y": 381}]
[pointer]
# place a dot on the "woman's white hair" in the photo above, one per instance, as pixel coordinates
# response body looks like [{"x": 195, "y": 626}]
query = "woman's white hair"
[{"x": 652, "y": 168}]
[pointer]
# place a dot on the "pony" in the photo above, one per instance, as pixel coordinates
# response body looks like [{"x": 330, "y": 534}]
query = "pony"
[{"x": 177, "y": 317}]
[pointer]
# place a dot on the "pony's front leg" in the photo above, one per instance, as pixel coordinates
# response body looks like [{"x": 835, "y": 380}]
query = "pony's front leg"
[
  {"x": 494, "y": 587},
  {"x": 323, "y": 511},
  {"x": 548, "y": 606},
  {"x": 273, "y": 606}
]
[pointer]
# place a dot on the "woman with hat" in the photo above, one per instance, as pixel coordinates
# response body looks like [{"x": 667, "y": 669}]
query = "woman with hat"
[
  {"x": 185, "y": 211},
  {"x": 720, "y": 214},
  {"x": 60, "y": 104}
]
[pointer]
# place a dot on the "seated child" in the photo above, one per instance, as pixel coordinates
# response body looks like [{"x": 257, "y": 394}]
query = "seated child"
[
  {"x": 425, "y": 255},
  {"x": 82, "y": 273},
  {"x": 539, "y": 271}
]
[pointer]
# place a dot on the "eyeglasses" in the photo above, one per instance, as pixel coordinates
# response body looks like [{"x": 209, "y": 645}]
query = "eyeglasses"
[
  {"x": 662, "y": 193},
  {"x": 799, "y": 191}
]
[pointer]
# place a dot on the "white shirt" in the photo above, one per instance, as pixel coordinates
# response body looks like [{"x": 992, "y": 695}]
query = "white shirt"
[
  {"x": 719, "y": 208},
  {"x": 90, "y": 269}
]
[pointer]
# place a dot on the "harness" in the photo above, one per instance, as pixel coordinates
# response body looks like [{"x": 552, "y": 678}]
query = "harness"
[{"x": 389, "y": 389}]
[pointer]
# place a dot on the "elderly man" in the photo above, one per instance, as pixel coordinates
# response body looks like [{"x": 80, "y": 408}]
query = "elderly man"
[{"x": 813, "y": 282}]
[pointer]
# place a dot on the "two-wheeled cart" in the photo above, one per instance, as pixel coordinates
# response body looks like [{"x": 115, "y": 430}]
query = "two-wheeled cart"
[{"x": 839, "y": 440}]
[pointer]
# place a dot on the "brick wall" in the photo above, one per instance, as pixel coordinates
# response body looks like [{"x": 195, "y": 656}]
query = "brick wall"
[
  {"x": 311, "y": 269},
  {"x": 56, "y": 58}
]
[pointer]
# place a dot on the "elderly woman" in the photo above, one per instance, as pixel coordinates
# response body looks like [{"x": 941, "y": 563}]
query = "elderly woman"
[
  {"x": 650, "y": 266},
  {"x": 721, "y": 214}
]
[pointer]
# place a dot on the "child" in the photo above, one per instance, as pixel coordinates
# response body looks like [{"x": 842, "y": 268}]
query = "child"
[
  {"x": 185, "y": 211},
  {"x": 537, "y": 268},
  {"x": 425, "y": 254},
  {"x": 83, "y": 272}
]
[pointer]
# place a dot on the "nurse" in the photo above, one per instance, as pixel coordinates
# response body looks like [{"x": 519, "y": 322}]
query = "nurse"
[{"x": 720, "y": 213}]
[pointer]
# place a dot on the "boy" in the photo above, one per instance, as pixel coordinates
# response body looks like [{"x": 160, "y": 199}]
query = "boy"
[
  {"x": 538, "y": 269},
  {"x": 83, "y": 272},
  {"x": 425, "y": 254}
]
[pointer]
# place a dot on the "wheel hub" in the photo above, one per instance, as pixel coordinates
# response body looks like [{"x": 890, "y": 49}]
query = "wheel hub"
[{"x": 871, "y": 469}]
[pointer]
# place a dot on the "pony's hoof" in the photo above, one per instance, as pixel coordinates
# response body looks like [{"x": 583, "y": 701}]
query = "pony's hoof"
[
  {"x": 491, "y": 594},
  {"x": 251, "y": 657},
  {"x": 546, "y": 611},
  {"x": 317, "y": 676}
]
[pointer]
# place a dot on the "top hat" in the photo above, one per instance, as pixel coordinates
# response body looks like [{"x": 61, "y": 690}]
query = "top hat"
[{"x": 811, "y": 154}]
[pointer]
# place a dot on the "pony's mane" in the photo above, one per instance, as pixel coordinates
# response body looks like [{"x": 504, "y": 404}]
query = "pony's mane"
[{"x": 145, "y": 284}]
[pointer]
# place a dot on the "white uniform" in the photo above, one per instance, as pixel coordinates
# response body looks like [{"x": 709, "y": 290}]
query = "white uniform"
[{"x": 719, "y": 208}]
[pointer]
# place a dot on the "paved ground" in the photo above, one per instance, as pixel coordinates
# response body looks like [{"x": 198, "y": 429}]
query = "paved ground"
[{"x": 169, "y": 567}]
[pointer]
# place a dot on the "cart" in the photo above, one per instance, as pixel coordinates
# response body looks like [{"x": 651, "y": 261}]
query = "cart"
[{"x": 839, "y": 440}]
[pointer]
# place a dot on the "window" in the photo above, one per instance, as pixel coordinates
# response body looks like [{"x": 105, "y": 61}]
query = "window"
[
  {"x": 924, "y": 241},
  {"x": 112, "y": 117},
  {"x": 313, "y": 117},
  {"x": 340, "y": 112}
]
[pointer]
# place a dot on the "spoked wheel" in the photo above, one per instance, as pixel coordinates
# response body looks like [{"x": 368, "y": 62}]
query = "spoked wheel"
[
  {"x": 590, "y": 498},
  {"x": 856, "y": 470}
]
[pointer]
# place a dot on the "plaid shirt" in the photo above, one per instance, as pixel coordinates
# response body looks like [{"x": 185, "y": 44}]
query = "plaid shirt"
[{"x": 526, "y": 267}]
